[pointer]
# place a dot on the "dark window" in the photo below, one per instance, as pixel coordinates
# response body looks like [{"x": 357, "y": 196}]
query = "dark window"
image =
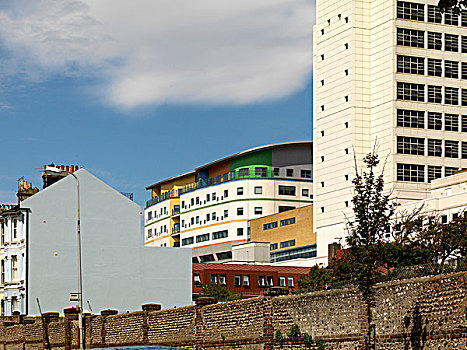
[
  {"x": 289, "y": 172},
  {"x": 305, "y": 173},
  {"x": 244, "y": 172},
  {"x": 410, "y": 64},
  {"x": 287, "y": 244},
  {"x": 451, "y": 69},
  {"x": 435, "y": 40},
  {"x": 464, "y": 150},
  {"x": 464, "y": 44},
  {"x": 434, "y": 14},
  {"x": 289, "y": 221},
  {"x": 222, "y": 279},
  {"x": 239, "y": 211},
  {"x": 281, "y": 281},
  {"x": 464, "y": 19},
  {"x": 261, "y": 281},
  {"x": 196, "y": 278},
  {"x": 464, "y": 97},
  {"x": 451, "y": 149},
  {"x": 186, "y": 241},
  {"x": 451, "y": 122},
  {"x": 208, "y": 197},
  {"x": 263, "y": 172},
  {"x": 448, "y": 171},
  {"x": 410, "y": 172},
  {"x": 410, "y": 37},
  {"x": 287, "y": 190},
  {"x": 434, "y": 67},
  {"x": 237, "y": 280},
  {"x": 451, "y": 42},
  {"x": 258, "y": 210},
  {"x": 269, "y": 281},
  {"x": 270, "y": 225},
  {"x": 451, "y": 18},
  {"x": 226, "y": 193},
  {"x": 464, "y": 70},
  {"x": 258, "y": 190},
  {"x": 240, "y": 231},
  {"x": 273, "y": 246},
  {"x": 464, "y": 123},
  {"x": 246, "y": 280},
  {"x": 202, "y": 238},
  {"x": 410, "y": 119},
  {"x": 239, "y": 191},
  {"x": 410, "y": 145},
  {"x": 220, "y": 234},
  {"x": 410, "y": 10},
  {"x": 434, "y": 172},
  {"x": 411, "y": 92},
  {"x": 434, "y": 94},
  {"x": 276, "y": 171},
  {"x": 435, "y": 148},
  {"x": 213, "y": 278},
  {"x": 283, "y": 208},
  {"x": 451, "y": 95},
  {"x": 434, "y": 121}
]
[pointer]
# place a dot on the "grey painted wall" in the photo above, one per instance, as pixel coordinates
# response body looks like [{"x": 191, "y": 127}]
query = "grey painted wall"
[
  {"x": 118, "y": 272},
  {"x": 297, "y": 155}
]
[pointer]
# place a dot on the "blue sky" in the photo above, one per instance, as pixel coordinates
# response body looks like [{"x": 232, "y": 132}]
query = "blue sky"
[{"x": 136, "y": 98}]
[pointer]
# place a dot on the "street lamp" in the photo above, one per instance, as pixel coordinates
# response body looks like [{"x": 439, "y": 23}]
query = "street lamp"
[{"x": 56, "y": 171}]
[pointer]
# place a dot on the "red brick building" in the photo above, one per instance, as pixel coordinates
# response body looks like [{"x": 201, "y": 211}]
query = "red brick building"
[{"x": 247, "y": 280}]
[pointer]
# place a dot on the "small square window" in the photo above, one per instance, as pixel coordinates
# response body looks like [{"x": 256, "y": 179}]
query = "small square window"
[
  {"x": 239, "y": 211},
  {"x": 290, "y": 281},
  {"x": 258, "y": 190},
  {"x": 214, "y": 216},
  {"x": 281, "y": 281},
  {"x": 276, "y": 171},
  {"x": 237, "y": 280},
  {"x": 246, "y": 280},
  {"x": 196, "y": 278},
  {"x": 305, "y": 192},
  {"x": 240, "y": 231},
  {"x": 239, "y": 191},
  {"x": 305, "y": 173},
  {"x": 208, "y": 217},
  {"x": 258, "y": 210},
  {"x": 226, "y": 193},
  {"x": 213, "y": 278},
  {"x": 208, "y": 197},
  {"x": 213, "y": 196},
  {"x": 226, "y": 213},
  {"x": 222, "y": 279},
  {"x": 289, "y": 172}
]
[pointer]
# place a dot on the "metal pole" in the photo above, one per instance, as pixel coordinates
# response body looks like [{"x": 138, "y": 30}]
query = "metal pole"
[{"x": 80, "y": 277}]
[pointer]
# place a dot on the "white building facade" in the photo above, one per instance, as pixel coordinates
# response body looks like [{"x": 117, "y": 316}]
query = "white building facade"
[{"x": 391, "y": 74}]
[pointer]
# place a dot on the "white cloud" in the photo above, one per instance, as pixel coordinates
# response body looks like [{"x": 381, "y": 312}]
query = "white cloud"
[{"x": 164, "y": 51}]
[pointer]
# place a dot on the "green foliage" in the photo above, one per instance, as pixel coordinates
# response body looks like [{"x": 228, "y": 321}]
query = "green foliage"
[
  {"x": 307, "y": 340},
  {"x": 223, "y": 337},
  {"x": 317, "y": 279},
  {"x": 219, "y": 292},
  {"x": 294, "y": 333},
  {"x": 278, "y": 337},
  {"x": 320, "y": 344}
]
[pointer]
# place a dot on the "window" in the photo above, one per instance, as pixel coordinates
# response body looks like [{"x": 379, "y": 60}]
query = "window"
[
  {"x": 435, "y": 41},
  {"x": 150, "y": 232},
  {"x": 305, "y": 173},
  {"x": 226, "y": 213},
  {"x": 451, "y": 42},
  {"x": 14, "y": 267},
  {"x": 197, "y": 200},
  {"x": 305, "y": 192},
  {"x": 239, "y": 191},
  {"x": 346, "y": 72},
  {"x": 208, "y": 217},
  {"x": 246, "y": 280},
  {"x": 464, "y": 150},
  {"x": 451, "y": 69},
  {"x": 258, "y": 190},
  {"x": 269, "y": 225},
  {"x": 289, "y": 221},
  {"x": 239, "y": 211},
  {"x": 14, "y": 303},
  {"x": 463, "y": 19},
  {"x": 237, "y": 280},
  {"x": 451, "y": 18},
  {"x": 322, "y": 107},
  {"x": 263, "y": 172},
  {"x": 434, "y": 94},
  {"x": 464, "y": 70},
  {"x": 287, "y": 244},
  {"x": 276, "y": 171},
  {"x": 269, "y": 281},
  {"x": 448, "y": 171},
  {"x": 451, "y": 122},
  {"x": 286, "y": 190},
  {"x": 258, "y": 210},
  {"x": 451, "y": 149},
  {"x": 222, "y": 279},
  {"x": 464, "y": 97},
  {"x": 202, "y": 238},
  {"x": 240, "y": 231},
  {"x": 434, "y": 172},
  {"x": 197, "y": 219},
  {"x": 464, "y": 44},
  {"x": 290, "y": 281},
  {"x": 214, "y": 216},
  {"x": 226, "y": 193},
  {"x": 434, "y": 14},
  {"x": 261, "y": 281},
  {"x": 244, "y": 172},
  {"x": 183, "y": 204},
  {"x": 410, "y": 37},
  {"x": 196, "y": 278},
  {"x": 213, "y": 196},
  {"x": 411, "y": 92},
  {"x": 289, "y": 172},
  {"x": 220, "y": 234},
  {"x": 434, "y": 67},
  {"x": 192, "y": 203},
  {"x": 273, "y": 246},
  {"x": 208, "y": 197},
  {"x": 213, "y": 278},
  {"x": 3, "y": 272},
  {"x": 451, "y": 95},
  {"x": 187, "y": 241},
  {"x": 149, "y": 215},
  {"x": 283, "y": 208},
  {"x": 435, "y": 148},
  {"x": 464, "y": 123},
  {"x": 192, "y": 220},
  {"x": 410, "y": 64},
  {"x": 410, "y": 119},
  {"x": 224, "y": 255},
  {"x": 281, "y": 281},
  {"x": 15, "y": 228},
  {"x": 410, "y": 145},
  {"x": 2, "y": 233},
  {"x": 410, "y": 172},
  {"x": 434, "y": 121},
  {"x": 410, "y": 10}
]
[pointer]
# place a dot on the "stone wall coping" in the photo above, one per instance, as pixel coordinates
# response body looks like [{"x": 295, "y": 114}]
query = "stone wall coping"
[{"x": 221, "y": 304}]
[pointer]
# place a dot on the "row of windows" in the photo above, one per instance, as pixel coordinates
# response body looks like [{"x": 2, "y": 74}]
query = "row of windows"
[
  {"x": 431, "y": 40},
  {"x": 284, "y": 222},
  {"x": 244, "y": 280},
  {"x": 416, "y": 172},
  {"x": 416, "y": 12},
  {"x": 431, "y": 93},
  {"x": 157, "y": 232},
  {"x": 434, "y": 120},
  {"x": 434, "y": 67},
  {"x": 206, "y": 236},
  {"x": 433, "y": 147}
]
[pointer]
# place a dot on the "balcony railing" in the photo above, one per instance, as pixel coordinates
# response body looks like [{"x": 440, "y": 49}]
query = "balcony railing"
[
  {"x": 176, "y": 229},
  {"x": 175, "y": 211}
]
